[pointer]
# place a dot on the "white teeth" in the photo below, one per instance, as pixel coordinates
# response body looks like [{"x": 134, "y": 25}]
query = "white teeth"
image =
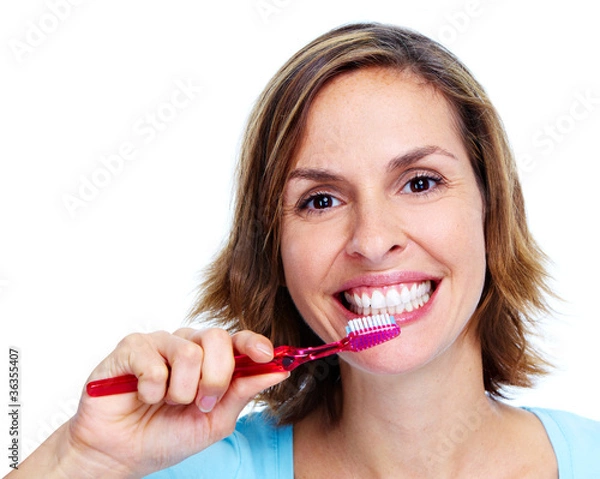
[
  {"x": 405, "y": 295},
  {"x": 377, "y": 300},
  {"x": 413, "y": 292},
  {"x": 366, "y": 301},
  {"x": 394, "y": 300}
]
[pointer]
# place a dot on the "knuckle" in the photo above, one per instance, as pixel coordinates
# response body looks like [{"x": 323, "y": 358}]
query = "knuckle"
[
  {"x": 213, "y": 385},
  {"x": 180, "y": 397},
  {"x": 155, "y": 373},
  {"x": 160, "y": 335},
  {"x": 136, "y": 341},
  {"x": 133, "y": 341},
  {"x": 185, "y": 333},
  {"x": 189, "y": 352},
  {"x": 217, "y": 334},
  {"x": 241, "y": 336}
]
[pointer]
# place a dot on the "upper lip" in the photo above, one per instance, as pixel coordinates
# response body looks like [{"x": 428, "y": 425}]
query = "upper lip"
[{"x": 387, "y": 279}]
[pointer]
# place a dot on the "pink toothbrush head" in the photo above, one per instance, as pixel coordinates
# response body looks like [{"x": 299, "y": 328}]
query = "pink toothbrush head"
[
  {"x": 361, "y": 333},
  {"x": 364, "y": 333}
]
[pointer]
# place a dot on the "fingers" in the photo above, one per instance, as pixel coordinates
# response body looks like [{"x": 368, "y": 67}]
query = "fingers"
[
  {"x": 218, "y": 349},
  {"x": 243, "y": 390},
  {"x": 185, "y": 359},
  {"x": 184, "y": 391},
  {"x": 216, "y": 365},
  {"x": 190, "y": 366},
  {"x": 143, "y": 355},
  {"x": 254, "y": 345}
]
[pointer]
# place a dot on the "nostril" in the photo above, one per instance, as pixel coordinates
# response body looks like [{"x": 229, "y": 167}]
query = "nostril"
[
  {"x": 374, "y": 249},
  {"x": 375, "y": 233}
]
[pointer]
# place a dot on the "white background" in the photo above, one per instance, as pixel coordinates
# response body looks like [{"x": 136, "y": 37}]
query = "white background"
[{"x": 78, "y": 84}]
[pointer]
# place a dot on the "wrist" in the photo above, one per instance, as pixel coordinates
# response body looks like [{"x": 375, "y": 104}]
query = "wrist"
[
  {"x": 62, "y": 457},
  {"x": 77, "y": 457}
]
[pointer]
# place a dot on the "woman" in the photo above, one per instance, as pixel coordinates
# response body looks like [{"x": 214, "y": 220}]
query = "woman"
[{"x": 375, "y": 177}]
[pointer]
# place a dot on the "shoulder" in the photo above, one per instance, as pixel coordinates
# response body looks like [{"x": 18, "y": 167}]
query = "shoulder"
[
  {"x": 258, "y": 448},
  {"x": 575, "y": 439}
]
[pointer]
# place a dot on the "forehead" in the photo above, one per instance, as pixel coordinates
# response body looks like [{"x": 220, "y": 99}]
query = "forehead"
[{"x": 369, "y": 104}]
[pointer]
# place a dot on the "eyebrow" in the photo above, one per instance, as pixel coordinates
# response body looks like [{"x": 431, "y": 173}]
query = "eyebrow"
[
  {"x": 401, "y": 161},
  {"x": 409, "y": 158}
]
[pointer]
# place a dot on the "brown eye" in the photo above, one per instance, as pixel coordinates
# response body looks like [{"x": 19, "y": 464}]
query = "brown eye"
[
  {"x": 421, "y": 184},
  {"x": 320, "y": 201}
]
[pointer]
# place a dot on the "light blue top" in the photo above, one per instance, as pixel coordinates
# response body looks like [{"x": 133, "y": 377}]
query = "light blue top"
[
  {"x": 258, "y": 450},
  {"x": 576, "y": 443}
]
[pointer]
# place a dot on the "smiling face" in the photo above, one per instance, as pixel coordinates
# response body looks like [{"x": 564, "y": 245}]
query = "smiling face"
[{"x": 382, "y": 213}]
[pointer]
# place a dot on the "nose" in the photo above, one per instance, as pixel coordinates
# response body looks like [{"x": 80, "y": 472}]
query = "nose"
[{"x": 376, "y": 232}]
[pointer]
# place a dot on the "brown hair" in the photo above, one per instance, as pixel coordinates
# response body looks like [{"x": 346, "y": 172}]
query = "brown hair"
[{"x": 244, "y": 287}]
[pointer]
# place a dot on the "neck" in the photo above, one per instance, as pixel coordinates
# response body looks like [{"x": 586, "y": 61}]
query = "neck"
[{"x": 424, "y": 421}]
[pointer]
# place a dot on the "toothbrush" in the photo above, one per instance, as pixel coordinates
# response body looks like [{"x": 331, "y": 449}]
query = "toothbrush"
[{"x": 361, "y": 333}]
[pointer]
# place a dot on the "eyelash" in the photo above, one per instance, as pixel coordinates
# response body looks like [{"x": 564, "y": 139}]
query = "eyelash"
[
  {"x": 427, "y": 176},
  {"x": 303, "y": 204}
]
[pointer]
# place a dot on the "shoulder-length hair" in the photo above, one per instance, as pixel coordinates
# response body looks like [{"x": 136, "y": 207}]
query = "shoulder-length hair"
[{"x": 244, "y": 287}]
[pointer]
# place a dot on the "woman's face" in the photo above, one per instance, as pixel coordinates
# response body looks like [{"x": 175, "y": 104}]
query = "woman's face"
[{"x": 383, "y": 214}]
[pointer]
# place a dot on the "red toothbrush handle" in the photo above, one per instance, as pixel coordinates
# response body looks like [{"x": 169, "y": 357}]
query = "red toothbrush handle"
[
  {"x": 282, "y": 361},
  {"x": 244, "y": 366},
  {"x": 110, "y": 386}
]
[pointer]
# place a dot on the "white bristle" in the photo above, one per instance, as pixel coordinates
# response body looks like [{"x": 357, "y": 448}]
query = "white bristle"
[
  {"x": 369, "y": 331},
  {"x": 364, "y": 324}
]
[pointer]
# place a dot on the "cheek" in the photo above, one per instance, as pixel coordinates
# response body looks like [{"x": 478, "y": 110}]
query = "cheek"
[
  {"x": 304, "y": 254},
  {"x": 454, "y": 236}
]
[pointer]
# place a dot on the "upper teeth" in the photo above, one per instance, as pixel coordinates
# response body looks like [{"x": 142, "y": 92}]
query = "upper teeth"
[{"x": 391, "y": 299}]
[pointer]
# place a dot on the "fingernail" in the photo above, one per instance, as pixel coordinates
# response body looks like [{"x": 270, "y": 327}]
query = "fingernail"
[
  {"x": 264, "y": 349},
  {"x": 207, "y": 403}
]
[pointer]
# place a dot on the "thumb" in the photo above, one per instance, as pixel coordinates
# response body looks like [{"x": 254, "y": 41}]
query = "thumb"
[{"x": 242, "y": 390}]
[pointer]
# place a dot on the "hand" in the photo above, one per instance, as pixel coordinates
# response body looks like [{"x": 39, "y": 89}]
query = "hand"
[{"x": 186, "y": 399}]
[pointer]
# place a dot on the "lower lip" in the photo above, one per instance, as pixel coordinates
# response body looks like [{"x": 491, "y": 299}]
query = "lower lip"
[{"x": 405, "y": 318}]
